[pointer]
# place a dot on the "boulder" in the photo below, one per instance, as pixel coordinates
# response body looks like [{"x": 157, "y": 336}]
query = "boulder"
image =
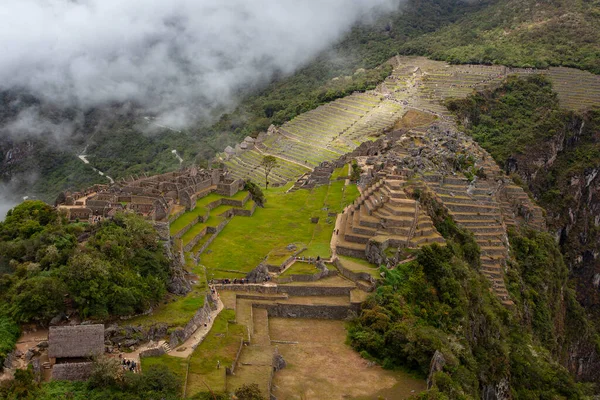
[
  {"x": 437, "y": 364},
  {"x": 258, "y": 274},
  {"x": 278, "y": 361}
]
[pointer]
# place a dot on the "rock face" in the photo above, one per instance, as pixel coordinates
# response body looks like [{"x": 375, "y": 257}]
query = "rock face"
[
  {"x": 278, "y": 361},
  {"x": 437, "y": 364},
  {"x": 258, "y": 274},
  {"x": 178, "y": 283}
]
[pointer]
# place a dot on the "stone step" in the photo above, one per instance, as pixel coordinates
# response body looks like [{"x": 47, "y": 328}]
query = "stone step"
[
  {"x": 470, "y": 216},
  {"x": 472, "y": 208},
  {"x": 408, "y": 211},
  {"x": 493, "y": 250}
]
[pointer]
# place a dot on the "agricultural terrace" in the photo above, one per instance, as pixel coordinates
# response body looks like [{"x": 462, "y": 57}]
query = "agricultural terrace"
[{"x": 285, "y": 219}]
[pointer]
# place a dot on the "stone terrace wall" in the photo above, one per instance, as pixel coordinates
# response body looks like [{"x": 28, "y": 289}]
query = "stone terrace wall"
[
  {"x": 154, "y": 352},
  {"x": 315, "y": 290},
  {"x": 306, "y": 278},
  {"x": 180, "y": 335},
  {"x": 306, "y": 311},
  {"x": 290, "y": 290},
  {"x": 353, "y": 276}
]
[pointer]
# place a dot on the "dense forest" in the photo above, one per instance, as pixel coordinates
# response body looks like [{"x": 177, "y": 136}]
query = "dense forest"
[{"x": 53, "y": 269}]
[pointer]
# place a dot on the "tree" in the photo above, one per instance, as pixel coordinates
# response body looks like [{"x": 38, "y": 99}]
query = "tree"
[
  {"x": 256, "y": 193},
  {"x": 268, "y": 163}
]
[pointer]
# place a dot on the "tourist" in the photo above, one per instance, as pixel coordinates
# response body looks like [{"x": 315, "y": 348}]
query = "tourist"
[{"x": 218, "y": 364}]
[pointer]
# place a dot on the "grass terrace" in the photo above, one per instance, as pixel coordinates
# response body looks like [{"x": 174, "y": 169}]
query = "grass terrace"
[
  {"x": 301, "y": 268},
  {"x": 221, "y": 344},
  {"x": 285, "y": 219},
  {"x": 359, "y": 265},
  {"x": 199, "y": 210}
]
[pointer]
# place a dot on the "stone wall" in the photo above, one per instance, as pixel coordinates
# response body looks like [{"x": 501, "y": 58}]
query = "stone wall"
[
  {"x": 196, "y": 239},
  {"x": 231, "y": 370},
  {"x": 182, "y": 232},
  {"x": 306, "y": 278},
  {"x": 354, "y": 276},
  {"x": 180, "y": 335},
  {"x": 356, "y": 253},
  {"x": 154, "y": 352},
  {"x": 288, "y": 289},
  {"x": 314, "y": 290},
  {"x": 176, "y": 215},
  {"x": 243, "y": 212},
  {"x": 279, "y": 310}
]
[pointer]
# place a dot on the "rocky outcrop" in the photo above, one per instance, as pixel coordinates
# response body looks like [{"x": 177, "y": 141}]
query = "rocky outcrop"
[{"x": 258, "y": 274}]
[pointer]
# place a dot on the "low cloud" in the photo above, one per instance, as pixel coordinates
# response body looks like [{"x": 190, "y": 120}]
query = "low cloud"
[{"x": 179, "y": 59}]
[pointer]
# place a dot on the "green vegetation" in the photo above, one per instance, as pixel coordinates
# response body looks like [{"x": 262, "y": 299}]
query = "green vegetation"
[
  {"x": 120, "y": 269},
  {"x": 218, "y": 348},
  {"x": 520, "y": 124},
  {"x": 108, "y": 381},
  {"x": 9, "y": 333},
  {"x": 514, "y": 117},
  {"x": 285, "y": 219},
  {"x": 300, "y": 268},
  {"x": 523, "y": 33},
  {"x": 440, "y": 303}
]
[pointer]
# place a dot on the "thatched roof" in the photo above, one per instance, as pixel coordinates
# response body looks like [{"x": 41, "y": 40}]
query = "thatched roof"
[
  {"x": 75, "y": 341},
  {"x": 79, "y": 371}
]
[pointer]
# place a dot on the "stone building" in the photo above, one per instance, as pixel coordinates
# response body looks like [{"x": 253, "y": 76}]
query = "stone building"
[
  {"x": 154, "y": 197},
  {"x": 71, "y": 348}
]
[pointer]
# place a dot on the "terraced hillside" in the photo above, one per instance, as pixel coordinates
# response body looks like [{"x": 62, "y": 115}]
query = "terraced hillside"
[
  {"x": 416, "y": 83},
  {"x": 385, "y": 217},
  {"x": 458, "y": 175},
  {"x": 196, "y": 229}
]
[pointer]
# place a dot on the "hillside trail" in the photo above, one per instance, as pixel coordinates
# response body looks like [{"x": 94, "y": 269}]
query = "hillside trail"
[{"x": 83, "y": 158}]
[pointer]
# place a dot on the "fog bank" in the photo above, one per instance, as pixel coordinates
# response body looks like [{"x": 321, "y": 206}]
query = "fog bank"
[{"x": 177, "y": 58}]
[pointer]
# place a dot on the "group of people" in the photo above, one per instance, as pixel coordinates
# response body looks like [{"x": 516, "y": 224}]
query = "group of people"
[
  {"x": 129, "y": 365},
  {"x": 235, "y": 281}
]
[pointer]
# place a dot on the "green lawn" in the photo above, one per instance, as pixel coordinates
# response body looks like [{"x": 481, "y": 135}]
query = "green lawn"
[
  {"x": 177, "y": 365},
  {"x": 185, "y": 219},
  {"x": 221, "y": 344},
  {"x": 341, "y": 172},
  {"x": 212, "y": 221},
  {"x": 285, "y": 219},
  {"x": 359, "y": 265},
  {"x": 301, "y": 268}
]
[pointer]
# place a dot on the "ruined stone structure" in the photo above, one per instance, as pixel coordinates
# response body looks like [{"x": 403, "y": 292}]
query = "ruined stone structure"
[
  {"x": 155, "y": 197},
  {"x": 384, "y": 218}
]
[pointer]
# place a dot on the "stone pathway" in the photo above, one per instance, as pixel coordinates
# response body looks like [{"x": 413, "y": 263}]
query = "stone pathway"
[{"x": 197, "y": 337}]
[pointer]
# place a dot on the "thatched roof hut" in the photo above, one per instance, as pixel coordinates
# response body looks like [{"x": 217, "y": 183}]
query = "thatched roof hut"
[
  {"x": 75, "y": 341},
  {"x": 77, "y": 371}
]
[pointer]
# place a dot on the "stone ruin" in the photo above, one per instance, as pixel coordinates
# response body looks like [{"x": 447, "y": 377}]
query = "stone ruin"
[{"x": 154, "y": 197}]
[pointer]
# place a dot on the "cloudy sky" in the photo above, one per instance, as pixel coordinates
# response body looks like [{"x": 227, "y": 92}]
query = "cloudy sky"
[{"x": 172, "y": 56}]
